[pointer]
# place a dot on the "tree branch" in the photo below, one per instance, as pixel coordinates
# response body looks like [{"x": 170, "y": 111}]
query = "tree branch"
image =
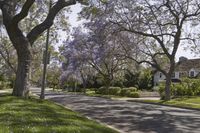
[
  {"x": 48, "y": 22},
  {"x": 156, "y": 37},
  {"x": 23, "y": 13}
]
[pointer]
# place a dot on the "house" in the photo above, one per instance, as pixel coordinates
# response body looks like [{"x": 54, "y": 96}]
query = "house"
[{"x": 185, "y": 68}]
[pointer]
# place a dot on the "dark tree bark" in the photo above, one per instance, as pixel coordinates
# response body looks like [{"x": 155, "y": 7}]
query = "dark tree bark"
[
  {"x": 21, "y": 87},
  {"x": 23, "y": 43}
]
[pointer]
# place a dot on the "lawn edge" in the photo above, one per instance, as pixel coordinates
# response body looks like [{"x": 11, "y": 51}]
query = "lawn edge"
[
  {"x": 139, "y": 101},
  {"x": 167, "y": 105},
  {"x": 87, "y": 117}
]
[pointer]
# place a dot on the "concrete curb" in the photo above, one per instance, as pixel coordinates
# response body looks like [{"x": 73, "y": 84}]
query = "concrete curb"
[{"x": 137, "y": 101}]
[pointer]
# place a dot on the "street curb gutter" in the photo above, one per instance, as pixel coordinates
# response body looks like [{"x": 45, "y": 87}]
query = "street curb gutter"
[{"x": 136, "y": 101}]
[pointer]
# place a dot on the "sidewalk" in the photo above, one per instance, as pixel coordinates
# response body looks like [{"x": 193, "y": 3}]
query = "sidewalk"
[
  {"x": 137, "y": 99},
  {"x": 5, "y": 91}
]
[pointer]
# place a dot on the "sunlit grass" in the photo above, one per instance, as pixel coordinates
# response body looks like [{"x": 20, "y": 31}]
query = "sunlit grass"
[{"x": 19, "y": 115}]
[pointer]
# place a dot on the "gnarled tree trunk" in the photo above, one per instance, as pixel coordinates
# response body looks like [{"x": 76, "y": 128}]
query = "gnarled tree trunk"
[
  {"x": 21, "y": 87},
  {"x": 23, "y": 43}
]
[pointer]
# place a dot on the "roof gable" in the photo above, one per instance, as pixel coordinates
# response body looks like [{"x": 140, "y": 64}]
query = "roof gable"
[{"x": 188, "y": 64}]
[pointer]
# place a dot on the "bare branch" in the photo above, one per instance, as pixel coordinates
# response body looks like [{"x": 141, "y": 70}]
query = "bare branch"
[
  {"x": 48, "y": 22},
  {"x": 24, "y": 12},
  {"x": 156, "y": 37}
]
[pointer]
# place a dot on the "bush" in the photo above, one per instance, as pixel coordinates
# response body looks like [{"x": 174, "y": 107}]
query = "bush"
[
  {"x": 134, "y": 95},
  {"x": 4, "y": 85},
  {"x": 178, "y": 90},
  {"x": 102, "y": 90},
  {"x": 91, "y": 89},
  {"x": 114, "y": 90},
  {"x": 130, "y": 78},
  {"x": 86, "y": 90},
  {"x": 108, "y": 91},
  {"x": 124, "y": 92},
  {"x": 188, "y": 87},
  {"x": 127, "y": 91},
  {"x": 162, "y": 91},
  {"x": 132, "y": 89},
  {"x": 145, "y": 80}
]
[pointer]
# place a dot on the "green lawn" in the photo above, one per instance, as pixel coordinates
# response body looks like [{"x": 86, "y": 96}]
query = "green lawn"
[
  {"x": 18, "y": 115},
  {"x": 188, "y": 102}
]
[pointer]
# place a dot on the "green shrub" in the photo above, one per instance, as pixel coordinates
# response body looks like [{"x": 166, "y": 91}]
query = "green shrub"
[
  {"x": 162, "y": 91},
  {"x": 178, "y": 90},
  {"x": 4, "y": 85},
  {"x": 124, "y": 91},
  {"x": 188, "y": 87},
  {"x": 127, "y": 91},
  {"x": 92, "y": 89},
  {"x": 114, "y": 90},
  {"x": 145, "y": 80},
  {"x": 134, "y": 94},
  {"x": 86, "y": 90},
  {"x": 102, "y": 90},
  {"x": 133, "y": 89}
]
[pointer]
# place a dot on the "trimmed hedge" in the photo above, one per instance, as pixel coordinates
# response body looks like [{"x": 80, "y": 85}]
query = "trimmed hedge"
[
  {"x": 102, "y": 90},
  {"x": 127, "y": 91},
  {"x": 117, "y": 91},
  {"x": 134, "y": 95},
  {"x": 114, "y": 90}
]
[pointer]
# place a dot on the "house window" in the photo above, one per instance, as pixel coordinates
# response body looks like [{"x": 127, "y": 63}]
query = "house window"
[
  {"x": 191, "y": 73},
  {"x": 160, "y": 75},
  {"x": 173, "y": 75}
]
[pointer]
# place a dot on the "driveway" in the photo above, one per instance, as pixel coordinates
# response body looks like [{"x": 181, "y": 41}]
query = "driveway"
[{"x": 131, "y": 117}]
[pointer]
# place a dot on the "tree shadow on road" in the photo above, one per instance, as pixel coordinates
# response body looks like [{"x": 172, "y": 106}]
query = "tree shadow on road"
[{"x": 133, "y": 117}]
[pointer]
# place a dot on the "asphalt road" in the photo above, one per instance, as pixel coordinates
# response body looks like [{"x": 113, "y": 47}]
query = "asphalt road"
[{"x": 131, "y": 117}]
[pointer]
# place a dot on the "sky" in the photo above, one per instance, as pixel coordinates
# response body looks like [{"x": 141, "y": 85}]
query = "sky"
[
  {"x": 74, "y": 23},
  {"x": 73, "y": 16}
]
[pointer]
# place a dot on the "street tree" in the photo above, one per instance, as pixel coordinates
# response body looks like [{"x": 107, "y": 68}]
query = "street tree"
[
  {"x": 13, "y": 13},
  {"x": 159, "y": 23},
  {"x": 96, "y": 49}
]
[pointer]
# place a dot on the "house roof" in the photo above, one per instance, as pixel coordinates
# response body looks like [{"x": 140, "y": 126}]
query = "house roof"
[{"x": 188, "y": 64}]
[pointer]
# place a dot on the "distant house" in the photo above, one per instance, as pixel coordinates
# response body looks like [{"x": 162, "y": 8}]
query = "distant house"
[{"x": 186, "y": 68}]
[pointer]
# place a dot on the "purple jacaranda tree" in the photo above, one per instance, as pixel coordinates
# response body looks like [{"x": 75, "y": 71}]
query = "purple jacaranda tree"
[
  {"x": 75, "y": 66},
  {"x": 95, "y": 49}
]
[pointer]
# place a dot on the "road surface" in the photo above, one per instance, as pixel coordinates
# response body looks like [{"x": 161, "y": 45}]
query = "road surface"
[{"x": 130, "y": 117}]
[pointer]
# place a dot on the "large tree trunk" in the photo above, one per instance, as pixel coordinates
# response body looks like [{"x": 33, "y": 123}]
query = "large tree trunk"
[
  {"x": 167, "y": 88},
  {"x": 21, "y": 87},
  {"x": 168, "y": 80},
  {"x": 23, "y": 43}
]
